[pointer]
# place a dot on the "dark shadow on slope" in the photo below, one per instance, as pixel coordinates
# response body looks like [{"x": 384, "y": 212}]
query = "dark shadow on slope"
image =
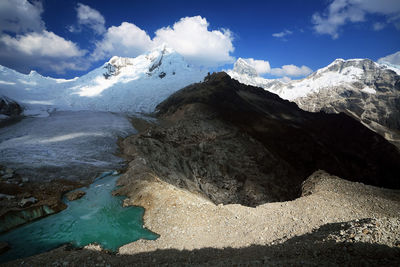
[
  {"x": 316, "y": 248},
  {"x": 241, "y": 144}
]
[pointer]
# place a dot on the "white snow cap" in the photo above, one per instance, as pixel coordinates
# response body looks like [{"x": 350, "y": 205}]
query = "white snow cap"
[
  {"x": 340, "y": 72},
  {"x": 120, "y": 85}
]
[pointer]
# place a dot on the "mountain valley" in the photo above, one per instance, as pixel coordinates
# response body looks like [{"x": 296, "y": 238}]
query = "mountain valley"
[{"x": 225, "y": 165}]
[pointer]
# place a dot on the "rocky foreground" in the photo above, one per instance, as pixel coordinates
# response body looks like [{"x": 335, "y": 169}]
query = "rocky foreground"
[
  {"x": 335, "y": 222},
  {"x": 211, "y": 172}
]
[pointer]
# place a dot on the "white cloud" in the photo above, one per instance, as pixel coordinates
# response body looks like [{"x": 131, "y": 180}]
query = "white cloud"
[
  {"x": 91, "y": 18},
  {"x": 43, "y": 43},
  {"x": 377, "y": 26},
  {"x": 261, "y": 66},
  {"x": 20, "y": 16},
  {"x": 191, "y": 38},
  {"x": 286, "y": 71},
  {"x": 126, "y": 40},
  {"x": 391, "y": 59},
  {"x": 291, "y": 70},
  {"x": 282, "y": 34},
  {"x": 341, "y": 12},
  {"x": 30, "y": 45},
  {"x": 44, "y": 50}
]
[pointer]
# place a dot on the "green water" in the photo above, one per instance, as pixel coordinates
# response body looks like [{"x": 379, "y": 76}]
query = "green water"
[{"x": 97, "y": 217}]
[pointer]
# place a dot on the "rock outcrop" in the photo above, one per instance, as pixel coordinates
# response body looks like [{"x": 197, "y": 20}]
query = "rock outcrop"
[
  {"x": 233, "y": 143},
  {"x": 9, "y": 109},
  {"x": 74, "y": 195}
]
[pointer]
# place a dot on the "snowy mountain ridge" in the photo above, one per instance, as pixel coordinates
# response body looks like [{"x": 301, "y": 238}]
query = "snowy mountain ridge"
[
  {"x": 362, "y": 88},
  {"x": 340, "y": 72},
  {"x": 120, "y": 85}
]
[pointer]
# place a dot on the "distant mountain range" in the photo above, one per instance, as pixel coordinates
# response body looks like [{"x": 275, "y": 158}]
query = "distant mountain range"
[
  {"x": 361, "y": 88},
  {"x": 365, "y": 90},
  {"x": 120, "y": 85}
]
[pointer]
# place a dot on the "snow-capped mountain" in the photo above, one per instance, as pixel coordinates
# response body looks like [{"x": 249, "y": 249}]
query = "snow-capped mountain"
[
  {"x": 247, "y": 74},
  {"x": 366, "y": 90},
  {"x": 120, "y": 85}
]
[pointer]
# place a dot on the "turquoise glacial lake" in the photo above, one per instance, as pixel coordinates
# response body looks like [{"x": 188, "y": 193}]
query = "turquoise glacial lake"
[{"x": 98, "y": 217}]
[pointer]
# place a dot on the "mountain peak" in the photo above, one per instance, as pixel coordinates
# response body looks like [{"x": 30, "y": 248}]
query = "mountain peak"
[{"x": 241, "y": 66}]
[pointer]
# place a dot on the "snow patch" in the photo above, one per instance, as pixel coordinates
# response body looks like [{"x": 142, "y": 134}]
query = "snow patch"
[
  {"x": 368, "y": 90},
  {"x": 7, "y": 83}
]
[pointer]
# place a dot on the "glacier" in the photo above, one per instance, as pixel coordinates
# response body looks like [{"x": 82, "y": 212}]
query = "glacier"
[
  {"x": 71, "y": 126},
  {"x": 121, "y": 85}
]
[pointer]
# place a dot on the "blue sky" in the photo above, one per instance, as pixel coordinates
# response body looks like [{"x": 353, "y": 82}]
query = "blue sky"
[{"x": 63, "y": 38}]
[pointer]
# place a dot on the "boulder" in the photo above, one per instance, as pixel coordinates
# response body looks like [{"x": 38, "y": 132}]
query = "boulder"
[
  {"x": 74, "y": 195},
  {"x": 27, "y": 201}
]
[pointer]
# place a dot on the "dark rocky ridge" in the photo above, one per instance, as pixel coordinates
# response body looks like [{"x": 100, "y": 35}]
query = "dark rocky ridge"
[
  {"x": 241, "y": 144},
  {"x": 9, "y": 107}
]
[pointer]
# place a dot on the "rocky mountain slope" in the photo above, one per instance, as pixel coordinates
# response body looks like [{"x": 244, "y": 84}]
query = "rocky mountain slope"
[
  {"x": 120, "y": 85},
  {"x": 361, "y": 88},
  {"x": 233, "y": 143},
  {"x": 9, "y": 109}
]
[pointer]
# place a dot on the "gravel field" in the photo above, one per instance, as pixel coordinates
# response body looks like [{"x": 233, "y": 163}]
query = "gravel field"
[{"x": 335, "y": 222}]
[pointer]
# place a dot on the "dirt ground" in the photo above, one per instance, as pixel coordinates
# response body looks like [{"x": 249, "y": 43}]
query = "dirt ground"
[{"x": 334, "y": 222}]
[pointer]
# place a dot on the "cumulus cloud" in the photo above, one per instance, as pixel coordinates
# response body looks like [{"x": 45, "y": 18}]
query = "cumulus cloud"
[
  {"x": 91, "y": 18},
  {"x": 190, "y": 37},
  {"x": 44, "y": 50},
  {"x": 286, "y": 71},
  {"x": 126, "y": 40},
  {"x": 261, "y": 66},
  {"x": 342, "y": 12},
  {"x": 20, "y": 16},
  {"x": 393, "y": 59},
  {"x": 25, "y": 44},
  {"x": 43, "y": 43},
  {"x": 291, "y": 70},
  {"x": 282, "y": 34}
]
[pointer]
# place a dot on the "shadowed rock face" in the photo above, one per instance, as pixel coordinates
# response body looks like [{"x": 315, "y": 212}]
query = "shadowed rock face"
[
  {"x": 9, "y": 107},
  {"x": 241, "y": 144}
]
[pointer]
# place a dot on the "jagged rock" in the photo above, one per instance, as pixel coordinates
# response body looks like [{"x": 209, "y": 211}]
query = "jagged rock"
[
  {"x": 9, "y": 107},
  {"x": 74, "y": 195},
  {"x": 27, "y": 201}
]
